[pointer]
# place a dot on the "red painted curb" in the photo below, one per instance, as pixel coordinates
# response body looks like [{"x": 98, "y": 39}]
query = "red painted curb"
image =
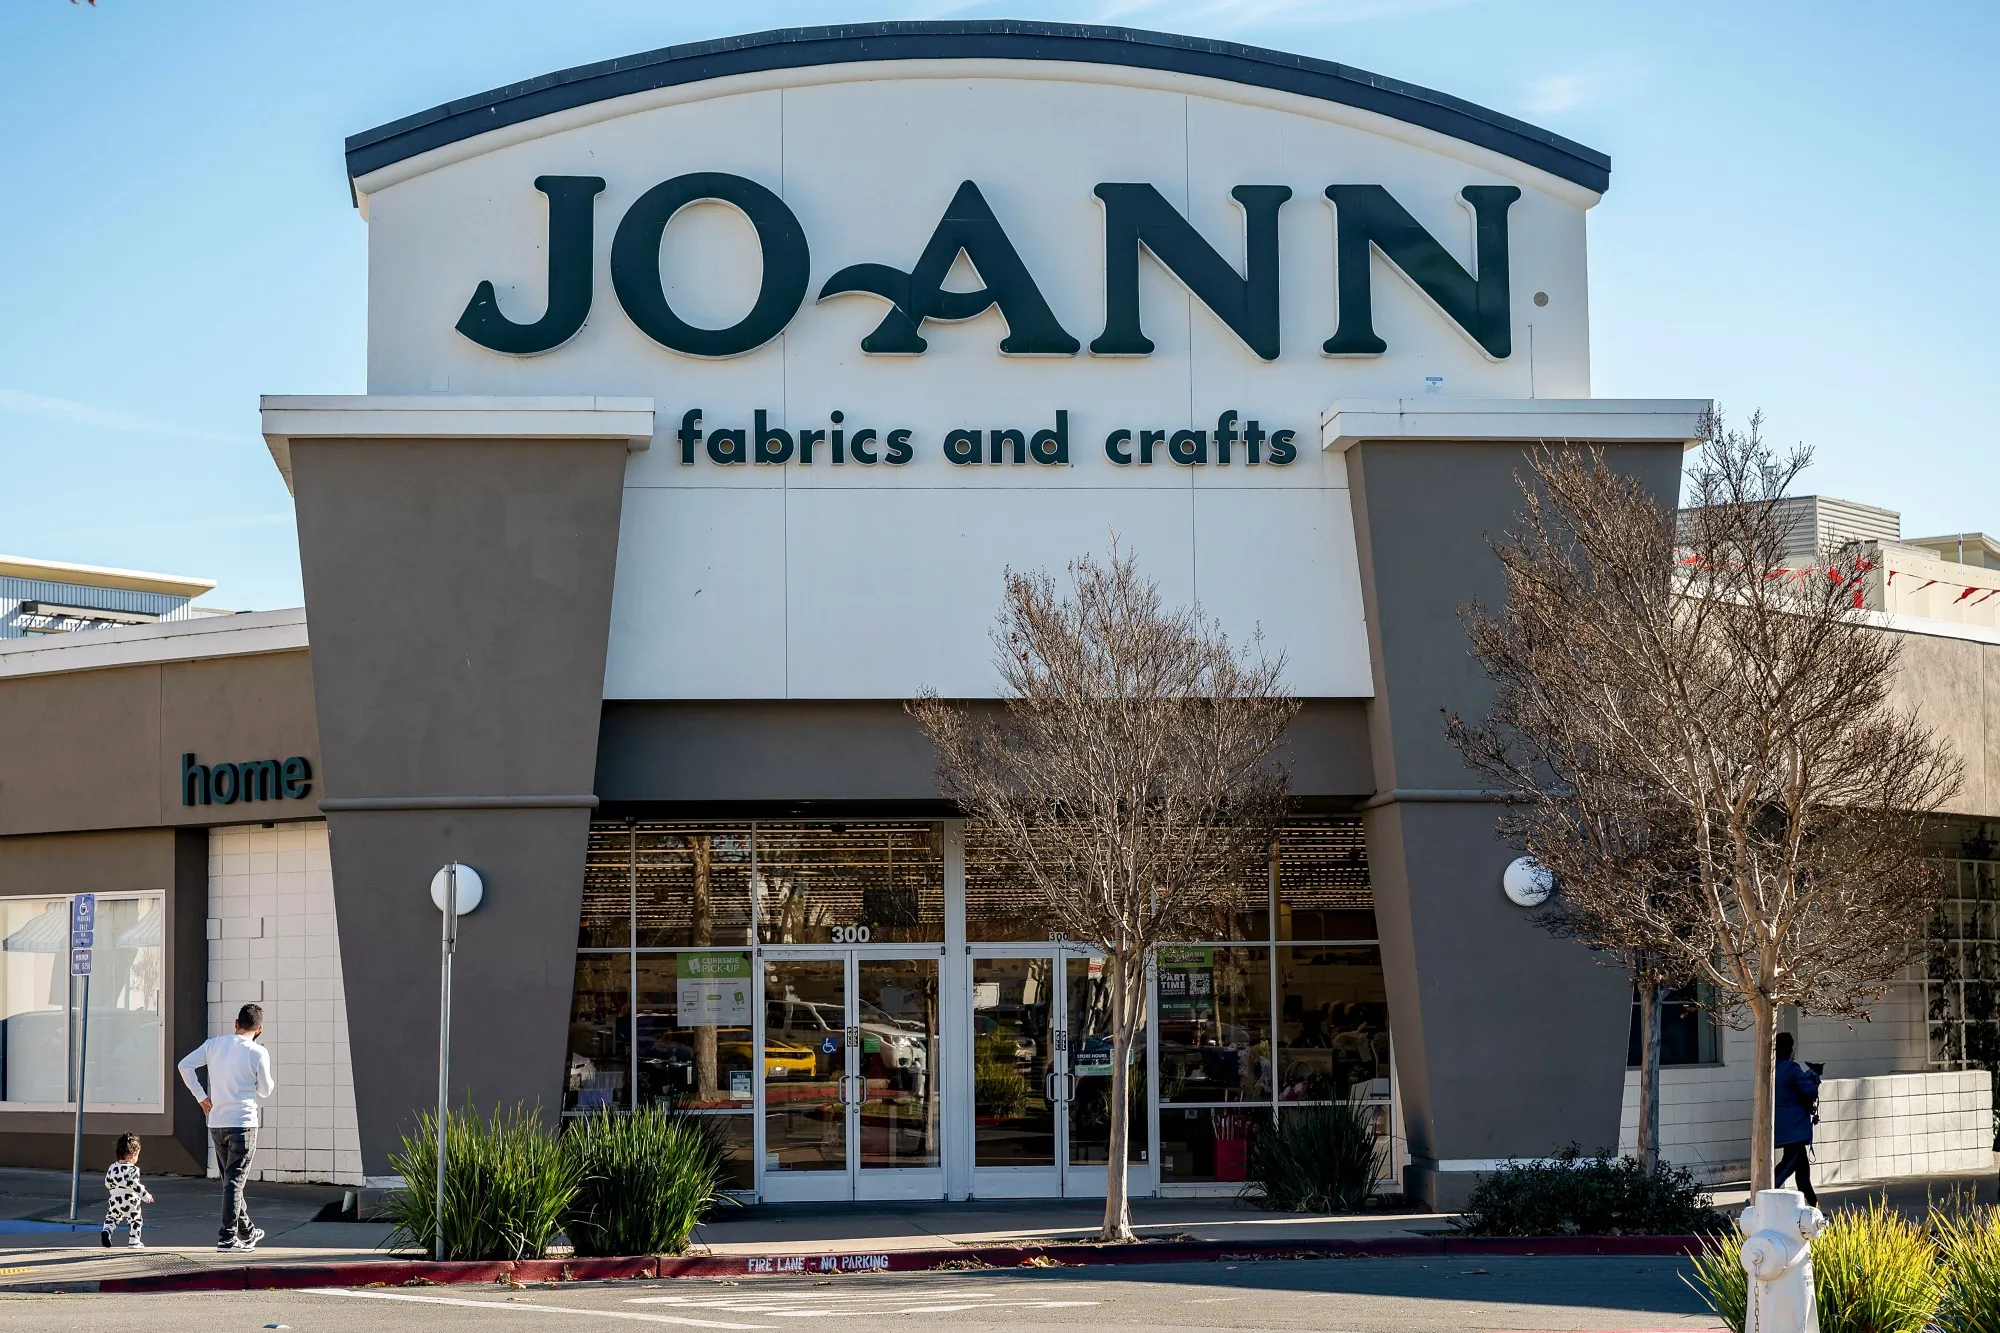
[{"x": 420, "y": 1273}]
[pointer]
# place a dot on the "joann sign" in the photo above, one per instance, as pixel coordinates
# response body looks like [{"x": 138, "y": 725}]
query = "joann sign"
[
  {"x": 249, "y": 780},
  {"x": 1366, "y": 218}
]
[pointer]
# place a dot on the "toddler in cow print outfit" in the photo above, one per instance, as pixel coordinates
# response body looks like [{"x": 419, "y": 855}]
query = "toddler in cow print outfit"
[{"x": 121, "y": 1180}]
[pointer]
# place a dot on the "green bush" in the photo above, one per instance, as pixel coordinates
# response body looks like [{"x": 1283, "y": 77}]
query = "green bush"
[
  {"x": 1316, "y": 1159},
  {"x": 1969, "y": 1240},
  {"x": 508, "y": 1183},
  {"x": 1574, "y": 1195},
  {"x": 645, "y": 1180}
]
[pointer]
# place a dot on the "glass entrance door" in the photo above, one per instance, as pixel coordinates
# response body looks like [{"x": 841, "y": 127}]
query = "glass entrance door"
[
  {"x": 849, "y": 1077},
  {"x": 1041, "y": 1076}
]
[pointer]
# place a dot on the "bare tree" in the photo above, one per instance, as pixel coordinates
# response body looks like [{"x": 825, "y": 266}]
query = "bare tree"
[
  {"x": 1129, "y": 778},
  {"x": 1702, "y": 743}
]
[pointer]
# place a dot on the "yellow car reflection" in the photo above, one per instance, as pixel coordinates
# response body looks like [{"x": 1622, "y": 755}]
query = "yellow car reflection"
[{"x": 782, "y": 1059}]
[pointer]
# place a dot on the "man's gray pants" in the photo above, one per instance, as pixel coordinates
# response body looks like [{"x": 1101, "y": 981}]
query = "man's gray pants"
[{"x": 233, "y": 1150}]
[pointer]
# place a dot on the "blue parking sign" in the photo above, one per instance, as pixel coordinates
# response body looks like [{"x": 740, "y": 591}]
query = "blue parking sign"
[
  {"x": 82, "y": 926},
  {"x": 79, "y": 962}
]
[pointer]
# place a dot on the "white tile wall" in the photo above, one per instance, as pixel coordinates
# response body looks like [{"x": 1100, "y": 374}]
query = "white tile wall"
[
  {"x": 271, "y": 938},
  {"x": 1903, "y": 1125},
  {"x": 1705, "y": 1110}
]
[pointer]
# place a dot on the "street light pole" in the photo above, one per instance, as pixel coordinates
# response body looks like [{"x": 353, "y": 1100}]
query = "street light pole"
[{"x": 449, "y": 945}]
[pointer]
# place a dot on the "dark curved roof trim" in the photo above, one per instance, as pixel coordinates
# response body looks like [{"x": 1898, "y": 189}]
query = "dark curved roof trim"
[{"x": 986, "y": 39}]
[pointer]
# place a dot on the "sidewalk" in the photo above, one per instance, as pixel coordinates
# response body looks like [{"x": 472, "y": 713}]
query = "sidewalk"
[{"x": 180, "y": 1233}]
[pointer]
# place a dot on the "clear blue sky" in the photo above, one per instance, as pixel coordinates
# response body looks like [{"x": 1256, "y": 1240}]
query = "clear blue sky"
[{"x": 1801, "y": 217}]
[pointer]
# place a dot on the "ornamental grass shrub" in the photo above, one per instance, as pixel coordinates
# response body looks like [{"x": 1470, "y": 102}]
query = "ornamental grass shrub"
[
  {"x": 508, "y": 1185},
  {"x": 1874, "y": 1271},
  {"x": 1719, "y": 1278},
  {"x": 645, "y": 1180},
  {"x": 1968, "y": 1240},
  {"x": 1316, "y": 1159},
  {"x": 1574, "y": 1195}
]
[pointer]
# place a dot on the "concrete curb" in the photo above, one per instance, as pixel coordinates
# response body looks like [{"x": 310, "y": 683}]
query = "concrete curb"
[{"x": 424, "y": 1273}]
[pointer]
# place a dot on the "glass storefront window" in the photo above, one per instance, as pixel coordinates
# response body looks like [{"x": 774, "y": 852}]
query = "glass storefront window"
[
  {"x": 1282, "y": 1005},
  {"x": 1215, "y": 1024},
  {"x": 692, "y": 1030},
  {"x": 1002, "y": 906},
  {"x": 739, "y": 1136},
  {"x": 1333, "y": 1024},
  {"x": 849, "y": 883},
  {"x": 1091, "y": 1060},
  {"x": 1000, "y": 903},
  {"x": 1015, "y": 1122},
  {"x": 607, "y": 891},
  {"x": 600, "y": 1034},
  {"x": 1206, "y": 1143},
  {"x": 692, "y": 885},
  {"x": 37, "y": 1002},
  {"x": 1323, "y": 887}
]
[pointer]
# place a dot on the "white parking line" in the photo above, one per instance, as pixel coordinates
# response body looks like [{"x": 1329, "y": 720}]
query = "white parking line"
[
  {"x": 526, "y": 1307},
  {"x": 821, "y": 1305}
]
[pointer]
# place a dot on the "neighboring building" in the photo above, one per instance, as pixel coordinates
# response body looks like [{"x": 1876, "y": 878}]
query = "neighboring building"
[
  {"x": 49, "y": 597},
  {"x": 622, "y": 571},
  {"x": 1910, "y": 1087}
]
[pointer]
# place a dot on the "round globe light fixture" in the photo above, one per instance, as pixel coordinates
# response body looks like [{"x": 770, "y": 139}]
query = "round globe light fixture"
[
  {"x": 1527, "y": 882},
  {"x": 470, "y": 889}
]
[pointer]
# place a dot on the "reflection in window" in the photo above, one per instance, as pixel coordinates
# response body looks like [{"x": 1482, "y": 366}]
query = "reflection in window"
[
  {"x": 681, "y": 884},
  {"x": 1323, "y": 887},
  {"x": 849, "y": 883},
  {"x": 1203, "y": 1143},
  {"x": 1215, "y": 1024},
  {"x": 37, "y": 1001},
  {"x": 1689, "y": 1034},
  {"x": 1333, "y": 1024},
  {"x": 693, "y": 1030},
  {"x": 600, "y": 1037},
  {"x": 1092, "y": 1061},
  {"x": 1002, "y": 904}
]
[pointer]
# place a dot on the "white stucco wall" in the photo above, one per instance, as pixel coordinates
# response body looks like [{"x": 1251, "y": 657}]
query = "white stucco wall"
[
  {"x": 874, "y": 582},
  {"x": 272, "y": 939}
]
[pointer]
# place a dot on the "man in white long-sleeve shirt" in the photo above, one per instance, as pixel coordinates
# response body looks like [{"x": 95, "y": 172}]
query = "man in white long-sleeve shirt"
[{"x": 239, "y": 1072}]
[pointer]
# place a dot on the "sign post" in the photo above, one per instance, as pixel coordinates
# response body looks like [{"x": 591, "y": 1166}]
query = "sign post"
[
  {"x": 456, "y": 889},
  {"x": 444, "y": 1038},
  {"x": 82, "y": 936}
]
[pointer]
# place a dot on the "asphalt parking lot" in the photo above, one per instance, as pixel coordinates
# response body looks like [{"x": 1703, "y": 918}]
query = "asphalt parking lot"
[{"x": 1328, "y": 1296}]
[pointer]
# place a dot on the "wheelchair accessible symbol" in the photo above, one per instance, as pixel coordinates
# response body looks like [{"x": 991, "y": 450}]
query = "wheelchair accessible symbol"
[{"x": 828, "y": 1045}]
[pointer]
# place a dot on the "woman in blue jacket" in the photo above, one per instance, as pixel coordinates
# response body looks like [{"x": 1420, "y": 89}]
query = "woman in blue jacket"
[{"x": 1795, "y": 1095}]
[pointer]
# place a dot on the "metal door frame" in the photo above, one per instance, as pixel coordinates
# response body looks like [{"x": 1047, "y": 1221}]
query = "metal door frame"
[
  {"x": 1024, "y": 1182},
  {"x": 855, "y": 1183}
]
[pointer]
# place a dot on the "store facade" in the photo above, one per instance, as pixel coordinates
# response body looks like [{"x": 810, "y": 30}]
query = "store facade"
[{"x": 710, "y": 393}]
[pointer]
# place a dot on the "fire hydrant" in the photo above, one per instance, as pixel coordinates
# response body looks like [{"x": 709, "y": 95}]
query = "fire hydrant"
[{"x": 1777, "y": 1254}]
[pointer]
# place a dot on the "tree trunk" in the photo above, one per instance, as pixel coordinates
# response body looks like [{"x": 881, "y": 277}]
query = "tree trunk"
[
  {"x": 1118, "y": 970},
  {"x": 1763, "y": 1082},
  {"x": 1650, "y": 996}
]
